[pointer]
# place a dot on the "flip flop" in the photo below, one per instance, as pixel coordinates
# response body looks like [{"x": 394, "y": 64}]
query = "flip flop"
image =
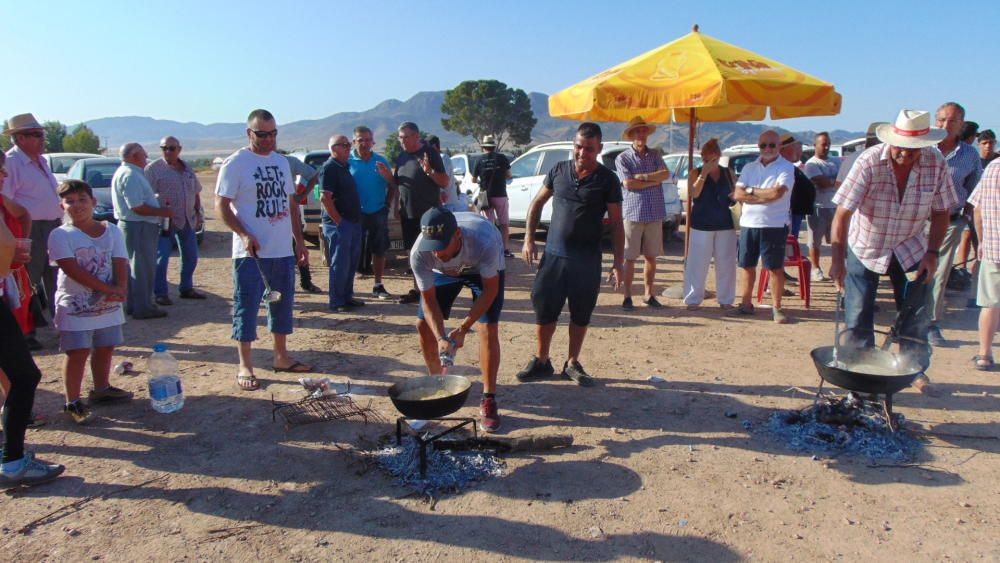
[
  {"x": 247, "y": 382},
  {"x": 296, "y": 367},
  {"x": 983, "y": 363}
]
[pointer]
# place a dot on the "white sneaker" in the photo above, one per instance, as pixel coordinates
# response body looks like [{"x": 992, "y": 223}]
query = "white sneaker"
[{"x": 819, "y": 276}]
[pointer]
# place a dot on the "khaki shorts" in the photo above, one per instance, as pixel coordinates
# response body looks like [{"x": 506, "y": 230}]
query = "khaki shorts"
[
  {"x": 645, "y": 239},
  {"x": 989, "y": 285}
]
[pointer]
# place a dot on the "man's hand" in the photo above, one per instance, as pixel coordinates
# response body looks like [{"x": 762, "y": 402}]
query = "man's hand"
[
  {"x": 929, "y": 265},
  {"x": 251, "y": 244},
  {"x": 447, "y": 346},
  {"x": 458, "y": 337},
  {"x": 616, "y": 276},
  {"x": 529, "y": 251},
  {"x": 303, "y": 254},
  {"x": 838, "y": 272},
  {"x": 425, "y": 164},
  {"x": 383, "y": 171}
]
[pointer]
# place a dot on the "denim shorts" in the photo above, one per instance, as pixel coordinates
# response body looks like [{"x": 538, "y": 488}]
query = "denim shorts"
[
  {"x": 766, "y": 244},
  {"x": 248, "y": 288},
  {"x": 447, "y": 289},
  {"x": 87, "y": 339}
]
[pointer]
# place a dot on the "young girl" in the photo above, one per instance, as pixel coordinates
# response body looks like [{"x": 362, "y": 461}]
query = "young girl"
[{"x": 93, "y": 278}]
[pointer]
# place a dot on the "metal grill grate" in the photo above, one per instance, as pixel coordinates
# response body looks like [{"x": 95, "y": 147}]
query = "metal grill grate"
[{"x": 323, "y": 408}]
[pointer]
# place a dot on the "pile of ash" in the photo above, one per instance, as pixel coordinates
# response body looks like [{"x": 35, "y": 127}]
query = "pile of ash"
[
  {"x": 446, "y": 470},
  {"x": 845, "y": 426}
]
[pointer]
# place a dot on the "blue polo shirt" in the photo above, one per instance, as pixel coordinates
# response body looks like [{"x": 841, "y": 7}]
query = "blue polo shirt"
[{"x": 372, "y": 187}]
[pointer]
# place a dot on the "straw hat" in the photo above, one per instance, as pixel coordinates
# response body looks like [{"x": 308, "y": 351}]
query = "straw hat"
[
  {"x": 637, "y": 123},
  {"x": 21, "y": 123},
  {"x": 912, "y": 130},
  {"x": 488, "y": 141}
]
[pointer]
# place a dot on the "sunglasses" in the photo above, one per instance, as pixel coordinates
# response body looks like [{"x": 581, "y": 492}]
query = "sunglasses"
[
  {"x": 169, "y": 148},
  {"x": 348, "y": 145},
  {"x": 767, "y": 145},
  {"x": 35, "y": 134},
  {"x": 265, "y": 134}
]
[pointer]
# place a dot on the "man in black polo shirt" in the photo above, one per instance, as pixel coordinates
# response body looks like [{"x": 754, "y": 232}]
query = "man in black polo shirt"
[
  {"x": 420, "y": 175},
  {"x": 582, "y": 191},
  {"x": 491, "y": 173},
  {"x": 341, "y": 224}
]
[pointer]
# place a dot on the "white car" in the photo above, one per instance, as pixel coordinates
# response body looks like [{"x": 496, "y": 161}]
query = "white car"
[
  {"x": 529, "y": 170},
  {"x": 60, "y": 162},
  {"x": 463, "y": 165},
  {"x": 677, "y": 163}
]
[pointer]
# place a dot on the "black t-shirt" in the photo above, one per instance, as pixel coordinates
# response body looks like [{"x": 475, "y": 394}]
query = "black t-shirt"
[
  {"x": 336, "y": 178},
  {"x": 803, "y": 194},
  {"x": 417, "y": 191},
  {"x": 578, "y": 208},
  {"x": 492, "y": 173},
  {"x": 710, "y": 211}
]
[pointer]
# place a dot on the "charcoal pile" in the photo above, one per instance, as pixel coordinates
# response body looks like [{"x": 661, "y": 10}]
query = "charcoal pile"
[
  {"x": 845, "y": 426},
  {"x": 447, "y": 471}
]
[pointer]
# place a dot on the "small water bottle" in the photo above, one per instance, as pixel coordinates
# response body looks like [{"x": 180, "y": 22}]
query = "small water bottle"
[
  {"x": 164, "y": 221},
  {"x": 165, "y": 391},
  {"x": 448, "y": 358}
]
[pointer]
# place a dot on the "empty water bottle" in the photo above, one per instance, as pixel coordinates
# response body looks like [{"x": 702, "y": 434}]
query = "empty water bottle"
[{"x": 165, "y": 391}]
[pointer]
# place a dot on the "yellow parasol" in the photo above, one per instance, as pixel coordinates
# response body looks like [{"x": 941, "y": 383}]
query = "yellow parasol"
[{"x": 696, "y": 78}]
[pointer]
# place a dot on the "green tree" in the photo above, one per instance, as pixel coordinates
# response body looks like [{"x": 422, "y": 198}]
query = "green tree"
[
  {"x": 55, "y": 133},
  {"x": 82, "y": 139},
  {"x": 488, "y": 107},
  {"x": 393, "y": 148},
  {"x": 5, "y": 143}
]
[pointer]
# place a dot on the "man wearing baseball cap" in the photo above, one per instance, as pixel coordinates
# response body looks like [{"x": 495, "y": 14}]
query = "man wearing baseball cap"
[
  {"x": 456, "y": 250},
  {"x": 882, "y": 214}
]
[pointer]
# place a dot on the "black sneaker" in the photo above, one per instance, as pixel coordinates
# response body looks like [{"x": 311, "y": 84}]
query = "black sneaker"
[
  {"x": 412, "y": 296},
  {"x": 536, "y": 370},
  {"x": 575, "y": 372},
  {"x": 379, "y": 292},
  {"x": 308, "y": 288},
  {"x": 79, "y": 412},
  {"x": 627, "y": 304},
  {"x": 652, "y": 302}
]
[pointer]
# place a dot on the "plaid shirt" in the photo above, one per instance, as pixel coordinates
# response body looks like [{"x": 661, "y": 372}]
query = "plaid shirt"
[
  {"x": 882, "y": 225},
  {"x": 645, "y": 205},
  {"x": 965, "y": 168},
  {"x": 179, "y": 190},
  {"x": 986, "y": 198}
]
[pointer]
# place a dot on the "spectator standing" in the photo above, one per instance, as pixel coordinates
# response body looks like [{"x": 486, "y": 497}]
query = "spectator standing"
[
  {"x": 491, "y": 173},
  {"x": 713, "y": 234},
  {"x": 179, "y": 190},
  {"x": 803, "y": 200},
  {"x": 449, "y": 193},
  {"x": 986, "y": 200},
  {"x": 305, "y": 177},
  {"x": 822, "y": 170},
  {"x": 31, "y": 184},
  {"x": 139, "y": 216},
  {"x": 582, "y": 191},
  {"x": 341, "y": 224},
  {"x": 377, "y": 191},
  {"x": 987, "y": 147},
  {"x": 255, "y": 198},
  {"x": 642, "y": 171}
]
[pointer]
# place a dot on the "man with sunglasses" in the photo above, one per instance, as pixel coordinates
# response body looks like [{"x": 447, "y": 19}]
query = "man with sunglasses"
[
  {"x": 178, "y": 188},
  {"x": 255, "y": 197},
  {"x": 764, "y": 188},
  {"x": 341, "y": 224},
  {"x": 31, "y": 184}
]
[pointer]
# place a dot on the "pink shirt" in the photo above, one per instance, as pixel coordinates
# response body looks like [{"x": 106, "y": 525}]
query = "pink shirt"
[
  {"x": 986, "y": 198},
  {"x": 882, "y": 225},
  {"x": 32, "y": 184}
]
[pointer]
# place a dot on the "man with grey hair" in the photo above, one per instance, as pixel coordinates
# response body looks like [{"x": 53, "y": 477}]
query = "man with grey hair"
[
  {"x": 178, "y": 189},
  {"x": 341, "y": 224},
  {"x": 31, "y": 184},
  {"x": 139, "y": 216}
]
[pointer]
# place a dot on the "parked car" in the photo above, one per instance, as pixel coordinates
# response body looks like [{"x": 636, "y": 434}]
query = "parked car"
[
  {"x": 98, "y": 172},
  {"x": 61, "y": 162},
  {"x": 529, "y": 170},
  {"x": 677, "y": 163},
  {"x": 463, "y": 165}
]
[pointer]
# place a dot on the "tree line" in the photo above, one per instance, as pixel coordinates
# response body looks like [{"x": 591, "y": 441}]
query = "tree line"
[{"x": 58, "y": 139}]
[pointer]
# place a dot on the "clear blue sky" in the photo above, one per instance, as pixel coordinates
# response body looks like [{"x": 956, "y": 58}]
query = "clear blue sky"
[{"x": 213, "y": 60}]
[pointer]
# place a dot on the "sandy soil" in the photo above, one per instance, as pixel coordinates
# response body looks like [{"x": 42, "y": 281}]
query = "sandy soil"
[{"x": 657, "y": 471}]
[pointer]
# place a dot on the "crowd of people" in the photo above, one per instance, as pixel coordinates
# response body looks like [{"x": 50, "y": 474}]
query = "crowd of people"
[{"x": 901, "y": 205}]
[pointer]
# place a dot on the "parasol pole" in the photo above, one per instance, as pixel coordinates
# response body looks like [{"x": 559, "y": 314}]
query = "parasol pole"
[{"x": 690, "y": 163}]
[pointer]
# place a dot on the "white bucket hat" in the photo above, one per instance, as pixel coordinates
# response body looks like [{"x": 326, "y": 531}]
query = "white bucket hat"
[{"x": 912, "y": 130}]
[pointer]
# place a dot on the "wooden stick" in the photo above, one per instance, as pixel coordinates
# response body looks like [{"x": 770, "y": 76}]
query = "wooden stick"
[{"x": 78, "y": 504}]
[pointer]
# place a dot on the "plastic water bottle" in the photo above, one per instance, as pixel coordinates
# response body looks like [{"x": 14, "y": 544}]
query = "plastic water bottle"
[{"x": 165, "y": 391}]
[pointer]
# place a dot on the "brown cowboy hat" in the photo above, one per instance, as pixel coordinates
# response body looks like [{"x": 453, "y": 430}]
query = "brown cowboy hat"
[
  {"x": 637, "y": 123},
  {"x": 22, "y": 123}
]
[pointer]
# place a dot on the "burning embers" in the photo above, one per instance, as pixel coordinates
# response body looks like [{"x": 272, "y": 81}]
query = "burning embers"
[{"x": 445, "y": 471}]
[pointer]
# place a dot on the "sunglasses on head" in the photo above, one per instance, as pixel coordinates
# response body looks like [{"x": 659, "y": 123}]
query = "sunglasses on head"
[
  {"x": 169, "y": 148},
  {"x": 767, "y": 145},
  {"x": 265, "y": 134}
]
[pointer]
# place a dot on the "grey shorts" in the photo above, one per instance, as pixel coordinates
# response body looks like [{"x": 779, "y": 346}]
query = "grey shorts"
[
  {"x": 820, "y": 224},
  {"x": 988, "y": 294},
  {"x": 561, "y": 279},
  {"x": 86, "y": 339}
]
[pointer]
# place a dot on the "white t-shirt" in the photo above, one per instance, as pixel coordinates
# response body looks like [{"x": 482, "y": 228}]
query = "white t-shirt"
[
  {"x": 451, "y": 190},
  {"x": 481, "y": 253},
  {"x": 78, "y": 307},
  {"x": 780, "y": 172},
  {"x": 828, "y": 168},
  {"x": 260, "y": 187}
]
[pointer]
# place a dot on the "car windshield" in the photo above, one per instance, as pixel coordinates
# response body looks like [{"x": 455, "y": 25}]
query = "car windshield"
[
  {"x": 62, "y": 164},
  {"x": 317, "y": 160},
  {"x": 736, "y": 163},
  {"x": 525, "y": 166},
  {"x": 99, "y": 175}
]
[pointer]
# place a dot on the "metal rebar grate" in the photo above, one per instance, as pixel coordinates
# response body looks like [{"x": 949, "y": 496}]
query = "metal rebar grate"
[{"x": 323, "y": 408}]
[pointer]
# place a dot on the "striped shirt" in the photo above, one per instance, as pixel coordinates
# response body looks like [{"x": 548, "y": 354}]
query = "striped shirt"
[
  {"x": 882, "y": 225},
  {"x": 178, "y": 190},
  {"x": 986, "y": 198},
  {"x": 965, "y": 168},
  {"x": 645, "y": 205}
]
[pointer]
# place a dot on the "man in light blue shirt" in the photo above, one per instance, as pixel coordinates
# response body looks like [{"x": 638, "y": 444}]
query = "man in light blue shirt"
[
  {"x": 377, "y": 189},
  {"x": 139, "y": 216}
]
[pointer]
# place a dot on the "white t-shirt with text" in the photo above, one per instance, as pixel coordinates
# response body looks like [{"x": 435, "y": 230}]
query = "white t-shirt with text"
[
  {"x": 260, "y": 187},
  {"x": 78, "y": 307}
]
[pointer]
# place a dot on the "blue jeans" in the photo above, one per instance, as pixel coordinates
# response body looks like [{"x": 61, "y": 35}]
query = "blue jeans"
[
  {"x": 248, "y": 288},
  {"x": 344, "y": 243},
  {"x": 187, "y": 245},
  {"x": 860, "y": 288}
]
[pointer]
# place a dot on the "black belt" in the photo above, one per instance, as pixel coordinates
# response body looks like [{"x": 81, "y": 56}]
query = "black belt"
[{"x": 955, "y": 216}]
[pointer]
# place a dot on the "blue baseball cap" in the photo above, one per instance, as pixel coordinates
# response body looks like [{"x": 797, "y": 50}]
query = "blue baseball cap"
[{"x": 437, "y": 227}]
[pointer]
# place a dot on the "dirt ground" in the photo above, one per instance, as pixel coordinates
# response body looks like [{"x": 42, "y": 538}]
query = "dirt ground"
[{"x": 657, "y": 472}]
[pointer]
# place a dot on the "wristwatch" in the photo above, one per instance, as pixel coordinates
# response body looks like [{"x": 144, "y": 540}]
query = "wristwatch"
[{"x": 748, "y": 190}]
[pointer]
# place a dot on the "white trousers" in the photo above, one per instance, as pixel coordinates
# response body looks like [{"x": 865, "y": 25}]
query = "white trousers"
[{"x": 704, "y": 246}]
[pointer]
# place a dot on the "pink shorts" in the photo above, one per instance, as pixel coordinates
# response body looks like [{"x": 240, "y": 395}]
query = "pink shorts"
[{"x": 499, "y": 213}]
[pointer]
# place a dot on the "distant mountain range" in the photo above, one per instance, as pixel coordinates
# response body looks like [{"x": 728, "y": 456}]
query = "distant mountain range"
[{"x": 424, "y": 109}]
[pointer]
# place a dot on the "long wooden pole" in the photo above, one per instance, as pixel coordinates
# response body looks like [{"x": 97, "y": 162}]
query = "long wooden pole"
[{"x": 687, "y": 222}]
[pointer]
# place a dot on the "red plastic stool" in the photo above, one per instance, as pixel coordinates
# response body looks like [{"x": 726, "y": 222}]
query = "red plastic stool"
[{"x": 793, "y": 258}]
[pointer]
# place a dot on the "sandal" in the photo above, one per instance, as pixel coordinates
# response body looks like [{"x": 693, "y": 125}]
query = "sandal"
[
  {"x": 296, "y": 367},
  {"x": 742, "y": 309},
  {"x": 247, "y": 382},
  {"x": 983, "y": 363}
]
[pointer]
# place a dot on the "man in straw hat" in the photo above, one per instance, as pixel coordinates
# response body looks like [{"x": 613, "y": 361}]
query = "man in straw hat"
[
  {"x": 882, "y": 213},
  {"x": 642, "y": 171},
  {"x": 491, "y": 173},
  {"x": 31, "y": 184}
]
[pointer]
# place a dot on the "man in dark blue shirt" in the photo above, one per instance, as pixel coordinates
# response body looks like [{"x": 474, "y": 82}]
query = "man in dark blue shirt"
[
  {"x": 341, "y": 224},
  {"x": 582, "y": 191}
]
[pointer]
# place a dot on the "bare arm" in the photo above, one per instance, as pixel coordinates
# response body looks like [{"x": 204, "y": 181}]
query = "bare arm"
[
  {"x": 150, "y": 211},
  {"x": 491, "y": 288},
  {"x": 81, "y": 276},
  {"x": 823, "y": 182},
  {"x": 838, "y": 246},
  {"x": 759, "y": 196},
  {"x": 302, "y": 254},
  {"x": 223, "y": 207},
  {"x": 617, "y": 244},
  {"x": 529, "y": 251}
]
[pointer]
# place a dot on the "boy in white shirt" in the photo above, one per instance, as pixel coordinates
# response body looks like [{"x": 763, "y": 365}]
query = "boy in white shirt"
[{"x": 93, "y": 281}]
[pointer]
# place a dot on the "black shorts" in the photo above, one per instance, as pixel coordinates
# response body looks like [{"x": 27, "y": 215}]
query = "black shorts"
[
  {"x": 447, "y": 288},
  {"x": 766, "y": 244},
  {"x": 560, "y": 279},
  {"x": 411, "y": 230},
  {"x": 375, "y": 231}
]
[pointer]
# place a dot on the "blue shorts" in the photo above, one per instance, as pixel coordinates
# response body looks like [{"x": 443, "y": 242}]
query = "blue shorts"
[
  {"x": 447, "y": 289},
  {"x": 766, "y": 244},
  {"x": 86, "y": 339},
  {"x": 248, "y": 288}
]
